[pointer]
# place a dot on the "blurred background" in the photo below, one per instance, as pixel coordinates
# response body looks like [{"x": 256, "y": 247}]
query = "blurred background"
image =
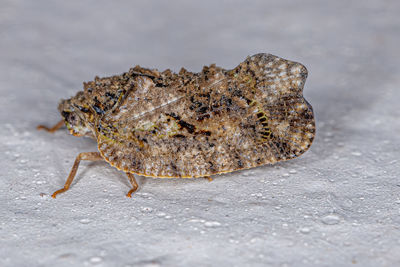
[{"x": 336, "y": 205}]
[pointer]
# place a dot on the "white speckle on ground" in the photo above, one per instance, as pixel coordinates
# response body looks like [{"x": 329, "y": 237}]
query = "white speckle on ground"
[
  {"x": 330, "y": 219},
  {"x": 336, "y": 205}
]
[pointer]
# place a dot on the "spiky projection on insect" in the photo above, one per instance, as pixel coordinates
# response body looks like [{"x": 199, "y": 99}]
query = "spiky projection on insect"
[{"x": 184, "y": 125}]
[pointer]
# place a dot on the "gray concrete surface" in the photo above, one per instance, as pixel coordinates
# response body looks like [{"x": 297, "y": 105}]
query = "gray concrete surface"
[{"x": 337, "y": 205}]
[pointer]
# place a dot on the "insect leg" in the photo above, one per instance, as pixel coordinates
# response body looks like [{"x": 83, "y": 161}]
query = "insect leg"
[
  {"x": 52, "y": 129},
  {"x": 209, "y": 178},
  {"x": 92, "y": 156},
  {"x": 135, "y": 185}
]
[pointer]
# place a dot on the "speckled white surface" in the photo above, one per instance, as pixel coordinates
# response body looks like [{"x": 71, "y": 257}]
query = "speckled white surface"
[{"x": 337, "y": 205}]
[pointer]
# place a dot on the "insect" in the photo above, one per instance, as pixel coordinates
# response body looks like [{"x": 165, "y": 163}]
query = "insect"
[{"x": 186, "y": 125}]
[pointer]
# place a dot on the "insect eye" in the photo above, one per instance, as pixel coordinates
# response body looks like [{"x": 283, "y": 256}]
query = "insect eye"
[
  {"x": 68, "y": 116},
  {"x": 65, "y": 114}
]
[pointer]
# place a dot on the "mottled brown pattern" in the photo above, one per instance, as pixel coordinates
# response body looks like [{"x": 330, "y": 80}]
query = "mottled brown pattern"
[{"x": 164, "y": 124}]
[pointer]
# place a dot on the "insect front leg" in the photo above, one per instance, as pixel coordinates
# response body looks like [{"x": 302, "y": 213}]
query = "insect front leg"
[
  {"x": 52, "y": 129},
  {"x": 92, "y": 156},
  {"x": 135, "y": 185}
]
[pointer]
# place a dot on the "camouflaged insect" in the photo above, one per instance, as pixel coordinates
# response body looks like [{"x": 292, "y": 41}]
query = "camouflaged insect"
[{"x": 163, "y": 124}]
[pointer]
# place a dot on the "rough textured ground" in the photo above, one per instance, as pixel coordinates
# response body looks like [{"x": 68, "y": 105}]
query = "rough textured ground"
[{"x": 337, "y": 205}]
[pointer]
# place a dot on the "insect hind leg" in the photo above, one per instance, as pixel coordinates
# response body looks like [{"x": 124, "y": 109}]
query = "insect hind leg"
[{"x": 135, "y": 185}]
